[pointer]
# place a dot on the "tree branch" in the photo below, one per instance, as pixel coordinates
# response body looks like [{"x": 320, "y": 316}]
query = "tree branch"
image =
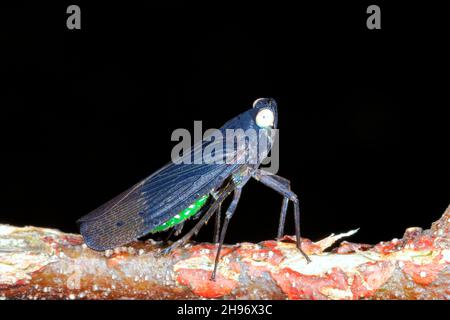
[{"x": 38, "y": 263}]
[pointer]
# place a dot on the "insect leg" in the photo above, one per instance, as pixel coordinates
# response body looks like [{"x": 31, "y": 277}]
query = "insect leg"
[
  {"x": 221, "y": 196},
  {"x": 275, "y": 184},
  {"x": 217, "y": 225},
  {"x": 171, "y": 232},
  {"x": 284, "y": 206},
  {"x": 217, "y": 218},
  {"x": 178, "y": 228},
  {"x": 228, "y": 215},
  {"x": 174, "y": 231}
]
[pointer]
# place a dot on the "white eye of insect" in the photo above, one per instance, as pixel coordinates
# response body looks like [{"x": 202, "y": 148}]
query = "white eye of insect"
[{"x": 265, "y": 118}]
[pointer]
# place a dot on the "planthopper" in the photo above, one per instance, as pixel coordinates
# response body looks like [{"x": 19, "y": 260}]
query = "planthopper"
[{"x": 185, "y": 189}]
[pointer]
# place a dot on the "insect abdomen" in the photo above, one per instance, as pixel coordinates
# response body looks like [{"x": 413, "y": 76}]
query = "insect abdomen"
[{"x": 182, "y": 215}]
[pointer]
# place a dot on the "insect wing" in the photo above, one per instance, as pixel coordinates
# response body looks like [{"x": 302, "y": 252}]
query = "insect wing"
[{"x": 152, "y": 201}]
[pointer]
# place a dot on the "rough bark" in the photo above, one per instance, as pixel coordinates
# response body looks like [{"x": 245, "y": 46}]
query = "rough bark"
[{"x": 38, "y": 263}]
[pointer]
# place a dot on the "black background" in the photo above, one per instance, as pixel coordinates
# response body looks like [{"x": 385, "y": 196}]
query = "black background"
[{"x": 85, "y": 114}]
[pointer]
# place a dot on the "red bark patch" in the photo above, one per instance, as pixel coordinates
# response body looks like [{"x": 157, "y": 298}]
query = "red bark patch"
[
  {"x": 372, "y": 275},
  {"x": 423, "y": 274},
  {"x": 424, "y": 243},
  {"x": 199, "y": 281},
  {"x": 269, "y": 244},
  {"x": 308, "y": 246},
  {"x": 300, "y": 286},
  {"x": 73, "y": 240},
  {"x": 387, "y": 247}
]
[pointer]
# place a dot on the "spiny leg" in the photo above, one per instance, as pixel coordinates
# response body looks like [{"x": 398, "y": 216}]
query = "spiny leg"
[
  {"x": 228, "y": 215},
  {"x": 217, "y": 224},
  {"x": 284, "y": 207},
  {"x": 217, "y": 218},
  {"x": 222, "y": 195},
  {"x": 297, "y": 228},
  {"x": 274, "y": 182}
]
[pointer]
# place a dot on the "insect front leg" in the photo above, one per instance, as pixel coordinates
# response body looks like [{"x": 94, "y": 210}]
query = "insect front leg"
[
  {"x": 284, "y": 206},
  {"x": 276, "y": 183},
  {"x": 282, "y": 222},
  {"x": 228, "y": 215}
]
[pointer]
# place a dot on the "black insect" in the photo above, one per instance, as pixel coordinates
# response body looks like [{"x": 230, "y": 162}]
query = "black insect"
[{"x": 183, "y": 189}]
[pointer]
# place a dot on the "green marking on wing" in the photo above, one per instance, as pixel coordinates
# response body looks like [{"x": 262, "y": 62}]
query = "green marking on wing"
[{"x": 182, "y": 215}]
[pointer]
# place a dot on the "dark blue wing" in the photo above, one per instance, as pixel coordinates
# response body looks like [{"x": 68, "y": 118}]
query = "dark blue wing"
[{"x": 151, "y": 202}]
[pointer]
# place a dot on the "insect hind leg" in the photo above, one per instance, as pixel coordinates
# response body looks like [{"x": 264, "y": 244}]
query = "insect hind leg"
[{"x": 217, "y": 223}]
